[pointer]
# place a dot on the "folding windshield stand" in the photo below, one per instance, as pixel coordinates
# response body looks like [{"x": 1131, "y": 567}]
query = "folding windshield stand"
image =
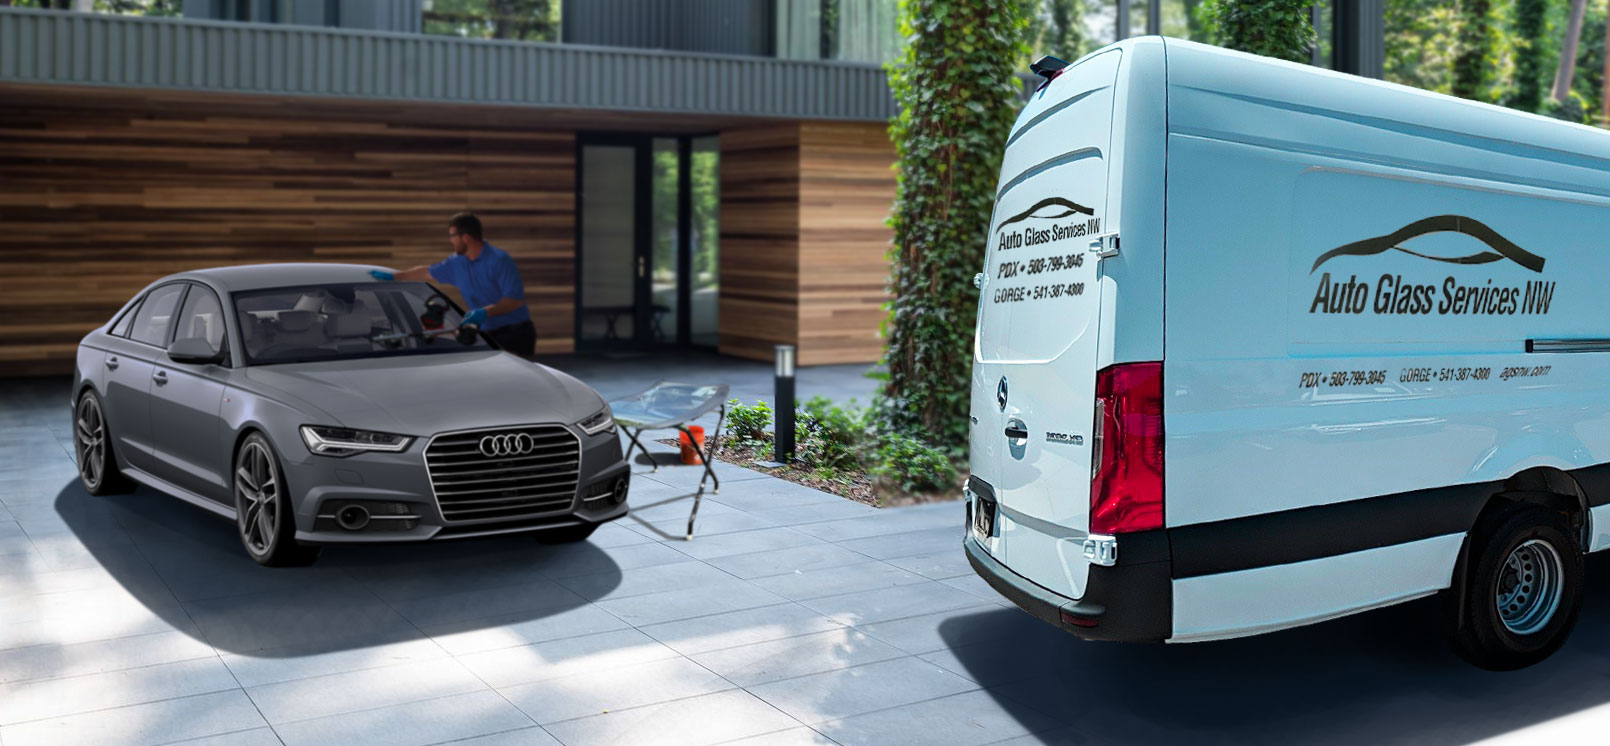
[{"x": 671, "y": 406}]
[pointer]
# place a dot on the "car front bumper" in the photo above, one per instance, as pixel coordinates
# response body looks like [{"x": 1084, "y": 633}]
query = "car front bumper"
[{"x": 395, "y": 490}]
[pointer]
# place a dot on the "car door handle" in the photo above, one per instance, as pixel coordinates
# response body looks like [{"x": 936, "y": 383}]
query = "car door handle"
[
  {"x": 111, "y": 362},
  {"x": 1017, "y": 433},
  {"x": 160, "y": 377}
]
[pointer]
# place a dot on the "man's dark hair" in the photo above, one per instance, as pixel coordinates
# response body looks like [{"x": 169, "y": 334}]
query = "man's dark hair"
[{"x": 466, "y": 224}]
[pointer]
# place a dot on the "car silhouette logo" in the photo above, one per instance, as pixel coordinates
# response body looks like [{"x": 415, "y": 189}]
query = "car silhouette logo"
[
  {"x": 506, "y": 444},
  {"x": 1000, "y": 393},
  {"x": 1498, "y": 248}
]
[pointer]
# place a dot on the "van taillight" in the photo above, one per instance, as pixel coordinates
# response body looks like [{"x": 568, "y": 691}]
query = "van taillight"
[{"x": 1126, "y": 493}]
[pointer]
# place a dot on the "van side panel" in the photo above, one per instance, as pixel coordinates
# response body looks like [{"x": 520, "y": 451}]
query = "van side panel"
[{"x": 1354, "y": 272}]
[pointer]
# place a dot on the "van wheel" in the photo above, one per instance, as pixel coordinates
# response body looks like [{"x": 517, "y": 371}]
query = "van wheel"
[{"x": 1522, "y": 590}]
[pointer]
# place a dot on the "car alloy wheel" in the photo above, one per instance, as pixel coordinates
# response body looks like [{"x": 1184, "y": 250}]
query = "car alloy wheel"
[
  {"x": 89, "y": 441},
  {"x": 257, "y": 498}
]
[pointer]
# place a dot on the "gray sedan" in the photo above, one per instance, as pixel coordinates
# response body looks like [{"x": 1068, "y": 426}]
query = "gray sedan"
[{"x": 314, "y": 405}]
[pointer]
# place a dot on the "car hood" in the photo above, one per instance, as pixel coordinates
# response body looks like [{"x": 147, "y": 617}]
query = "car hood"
[{"x": 422, "y": 395}]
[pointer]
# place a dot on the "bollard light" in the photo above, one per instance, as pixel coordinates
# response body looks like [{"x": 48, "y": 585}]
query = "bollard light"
[{"x": 783, "y": 436}]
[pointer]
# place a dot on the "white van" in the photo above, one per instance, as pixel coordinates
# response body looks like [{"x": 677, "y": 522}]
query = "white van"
[{"x": 1261, "y": 345}]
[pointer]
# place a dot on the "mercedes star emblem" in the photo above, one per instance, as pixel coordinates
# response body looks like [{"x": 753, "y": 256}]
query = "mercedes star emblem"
[{"x": 1000, "y": 393}]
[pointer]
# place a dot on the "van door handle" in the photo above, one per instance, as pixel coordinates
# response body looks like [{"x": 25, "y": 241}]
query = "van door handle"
[
  {"x": 160, "y": 377},
  {"x": 1017, "y": 433},
  {"x": 111, "y": 362}
]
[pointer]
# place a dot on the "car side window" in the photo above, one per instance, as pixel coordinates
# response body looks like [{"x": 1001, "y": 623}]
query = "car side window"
[
  {"x": 121, "y": 328},
  {"x": 203, "y": 317},
  {"x": 155, "y": 314}
]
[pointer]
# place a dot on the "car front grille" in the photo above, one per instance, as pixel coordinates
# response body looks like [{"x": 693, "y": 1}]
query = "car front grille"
[{"x": 523, "y": 471}]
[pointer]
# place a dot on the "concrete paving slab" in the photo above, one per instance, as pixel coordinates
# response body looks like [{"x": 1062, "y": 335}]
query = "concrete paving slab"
[
  {"x": 143, "y": 725},
  {"x": 413, "y": 724},
  {"x": 743, "y": 627},
  {"x": 842, "y": 693},
  {"x": 707, "y": 719},
  {"x": 791, "y": 657},
  {"x": 597, "y": 692}
]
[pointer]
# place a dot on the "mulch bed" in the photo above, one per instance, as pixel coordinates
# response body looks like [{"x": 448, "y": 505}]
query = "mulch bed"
[{"x": 850, "y": 484}]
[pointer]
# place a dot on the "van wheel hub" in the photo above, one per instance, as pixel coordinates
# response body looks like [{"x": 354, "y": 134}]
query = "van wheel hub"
[{"x": 1530, "y": 587}]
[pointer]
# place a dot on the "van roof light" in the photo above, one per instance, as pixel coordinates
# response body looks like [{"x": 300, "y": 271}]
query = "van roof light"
[{"x": 1048, "y": 67}]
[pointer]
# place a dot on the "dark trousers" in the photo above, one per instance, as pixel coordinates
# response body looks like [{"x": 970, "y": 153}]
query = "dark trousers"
[{"x": 520, "y": 339}]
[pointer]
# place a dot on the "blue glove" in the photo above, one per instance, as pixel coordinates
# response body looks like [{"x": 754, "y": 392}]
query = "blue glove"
[
  {"x": 474, "y": 318},
  {"x": 382, "y": 275}
]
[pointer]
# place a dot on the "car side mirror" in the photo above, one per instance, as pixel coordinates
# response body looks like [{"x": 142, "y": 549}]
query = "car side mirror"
[{"x": 194, "y": 350}]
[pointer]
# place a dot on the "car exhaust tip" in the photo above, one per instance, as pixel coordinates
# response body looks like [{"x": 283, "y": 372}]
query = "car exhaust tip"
[{"x": 352, "y": 517}]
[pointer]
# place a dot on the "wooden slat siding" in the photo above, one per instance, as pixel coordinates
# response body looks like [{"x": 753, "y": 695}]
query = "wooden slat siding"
[
  {"x": 847, "y": 187},
  {"x": 759, "y": 264},
  {"x": 96, "y": 201},
  {"x": 804, "y": 240}
]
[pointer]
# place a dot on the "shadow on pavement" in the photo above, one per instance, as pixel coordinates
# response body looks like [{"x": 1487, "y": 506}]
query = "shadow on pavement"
[
  {"x": 1382, "y": 677},
  {"x": 187, "y": 566}
]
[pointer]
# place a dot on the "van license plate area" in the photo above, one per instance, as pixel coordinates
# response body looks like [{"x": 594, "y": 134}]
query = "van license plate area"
[{"x": 983, "y": 517}]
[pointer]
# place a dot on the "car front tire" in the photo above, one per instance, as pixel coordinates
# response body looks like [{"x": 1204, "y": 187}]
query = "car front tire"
[
  {"x": 92, "y": 445},
  {"x": 1522, "y": 589},
  {"x": 264, "y": 516}
]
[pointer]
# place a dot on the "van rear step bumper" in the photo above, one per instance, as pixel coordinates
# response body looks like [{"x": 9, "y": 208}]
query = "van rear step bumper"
[{"x": 1128, "y": 602}]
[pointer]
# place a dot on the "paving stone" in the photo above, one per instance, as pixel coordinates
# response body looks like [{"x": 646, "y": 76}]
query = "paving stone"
[
  {"x": 846, "y": 692},
  {"x": 413, "y": 724},
  {"x": 707, "y": 719},
  {"x": 142, "y": 725}
]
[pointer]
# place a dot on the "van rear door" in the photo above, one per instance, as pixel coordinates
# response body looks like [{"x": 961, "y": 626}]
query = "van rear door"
[{"x": 1034, "y": 364}]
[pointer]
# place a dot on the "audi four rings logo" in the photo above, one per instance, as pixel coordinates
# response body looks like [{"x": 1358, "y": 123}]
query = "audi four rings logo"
[{"x": 507, "y": 444}]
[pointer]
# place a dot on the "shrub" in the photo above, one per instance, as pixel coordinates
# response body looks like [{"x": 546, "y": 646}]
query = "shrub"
[
  {"x": 826, "y": 435},
  {"x": 749, "y": 425},
  {"x": 913, "y": 465}
]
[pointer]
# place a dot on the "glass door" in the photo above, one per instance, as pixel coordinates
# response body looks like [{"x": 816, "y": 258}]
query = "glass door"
[{"x": 646, "y": 241}]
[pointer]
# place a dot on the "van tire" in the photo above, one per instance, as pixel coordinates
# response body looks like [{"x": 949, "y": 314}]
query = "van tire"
[{"x": 1529, "y": 549}]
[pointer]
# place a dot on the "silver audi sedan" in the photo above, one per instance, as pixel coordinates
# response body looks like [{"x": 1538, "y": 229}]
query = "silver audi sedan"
[{"x": 314, "y": 405}]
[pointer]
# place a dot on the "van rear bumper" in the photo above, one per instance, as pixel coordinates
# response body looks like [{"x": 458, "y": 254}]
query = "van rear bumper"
[{"x": 1128, "y": 602}]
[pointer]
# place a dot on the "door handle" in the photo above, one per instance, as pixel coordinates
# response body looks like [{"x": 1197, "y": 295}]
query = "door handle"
[
  {"x": 642, "y": 267},
  {"x": 1017, "y": 433},
  {"x": 111, "y": 362},
  {"x": 160, "y": 377}
]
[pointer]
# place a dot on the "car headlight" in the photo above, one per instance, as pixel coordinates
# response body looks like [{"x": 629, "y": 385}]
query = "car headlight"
[
  {"x": 602, "y": 421},
  {"x": 345, "y": 441}
]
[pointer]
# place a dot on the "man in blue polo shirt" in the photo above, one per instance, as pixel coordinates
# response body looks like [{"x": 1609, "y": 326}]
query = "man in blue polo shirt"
[{"x": 489, "y": 281}]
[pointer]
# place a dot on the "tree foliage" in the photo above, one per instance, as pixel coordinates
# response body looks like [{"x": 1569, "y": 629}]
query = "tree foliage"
[
  {"x": 525, "y": 20},
  {"x": 1065, "y": 34},
  {"x": 958, "y": 91},
  {"x": 1283, "y": 29},
  {"x": 1472, "y": 67},
  {"x": 1528, "y": 85}
]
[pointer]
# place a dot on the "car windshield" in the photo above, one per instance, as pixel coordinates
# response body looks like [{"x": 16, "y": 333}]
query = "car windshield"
[{"x": 333, "y": 322}]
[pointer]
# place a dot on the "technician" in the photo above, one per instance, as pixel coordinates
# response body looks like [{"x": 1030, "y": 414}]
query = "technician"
[{"x": 489, "y": 281}]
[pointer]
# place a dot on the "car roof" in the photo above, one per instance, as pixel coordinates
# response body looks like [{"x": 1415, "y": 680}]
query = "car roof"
[{"x": 263, "y": 276}]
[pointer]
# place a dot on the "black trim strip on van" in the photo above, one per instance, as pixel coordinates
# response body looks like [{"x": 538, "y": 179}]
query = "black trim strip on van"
[
  {"x": 1568, "y": 345},
  {"x": 1321, "y": 531},
  {"x": 1048, "y": 113},
  {"x": 1046, "y": 165}
]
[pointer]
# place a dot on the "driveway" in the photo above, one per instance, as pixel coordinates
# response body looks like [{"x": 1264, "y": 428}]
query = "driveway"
[{"x": 794, "y": 617}]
